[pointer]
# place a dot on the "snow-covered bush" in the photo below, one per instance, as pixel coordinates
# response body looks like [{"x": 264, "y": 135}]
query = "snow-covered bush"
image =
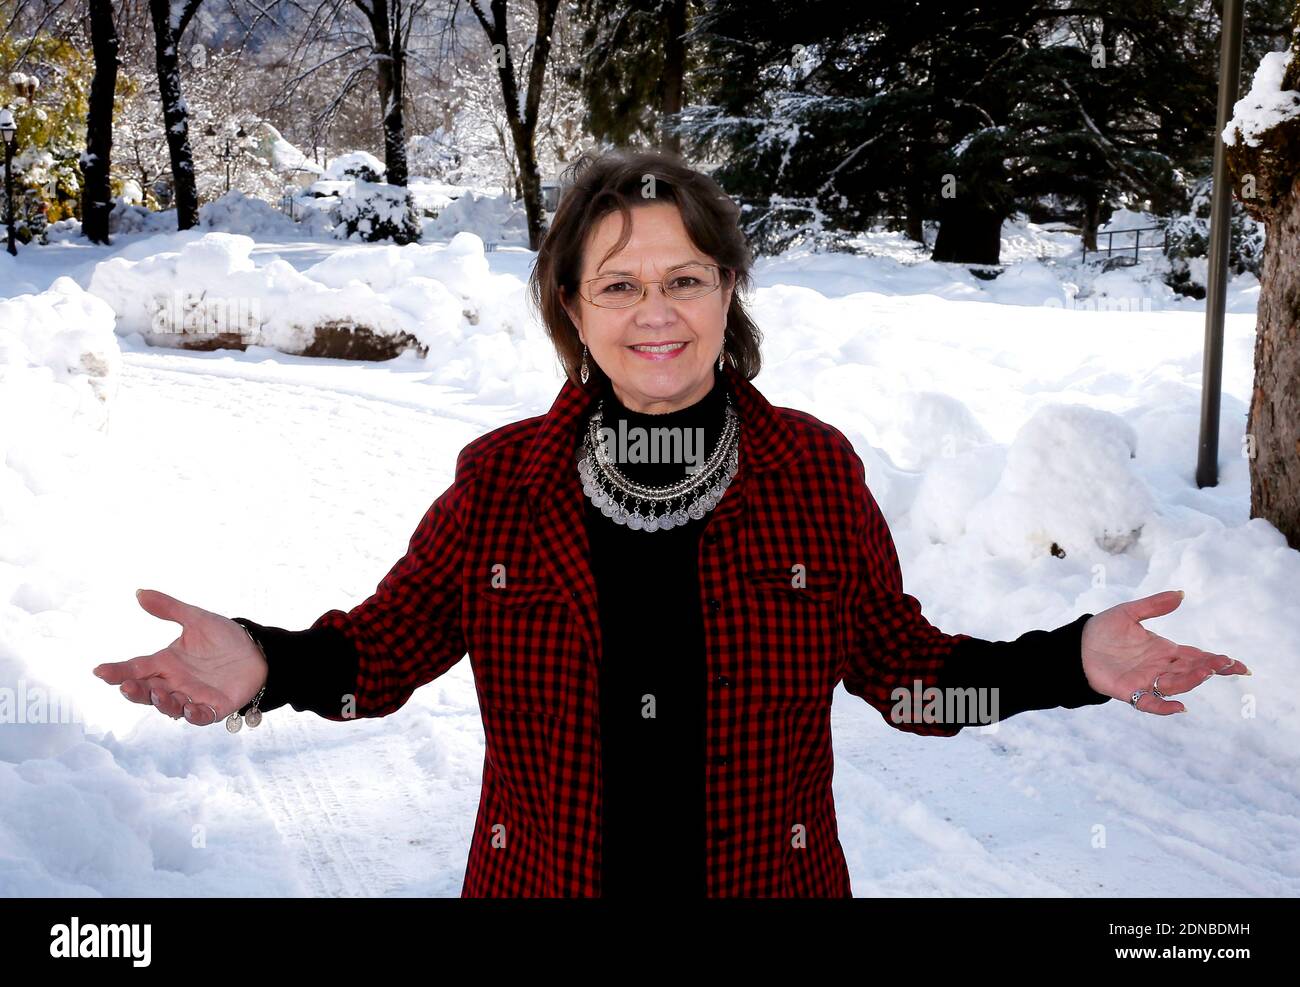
[
  {"x": 494, "y": 218},
  {"x": 433, "y": 156},
  {"x": 377, "y": 212},
  {"x": 355, "y": 164},
  {"x": 236, "y": 212},
  {"x": 128, "y": 218},
  {"x": 1188, "y": 244}
]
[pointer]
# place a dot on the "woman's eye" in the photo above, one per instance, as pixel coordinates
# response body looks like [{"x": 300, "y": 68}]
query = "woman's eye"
[
  {"x": 610, "y": 288},
  {"x": 682, "y": 282}
]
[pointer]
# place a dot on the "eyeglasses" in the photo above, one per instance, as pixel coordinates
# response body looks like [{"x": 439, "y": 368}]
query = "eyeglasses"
[{"x": 623, "y": 290}]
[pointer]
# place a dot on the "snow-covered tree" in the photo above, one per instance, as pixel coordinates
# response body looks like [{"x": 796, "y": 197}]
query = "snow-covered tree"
[
  {"x": 1263, "y": 155},
  {"x": 521, "y": 94},
  {"x": 170, "y": 18}
]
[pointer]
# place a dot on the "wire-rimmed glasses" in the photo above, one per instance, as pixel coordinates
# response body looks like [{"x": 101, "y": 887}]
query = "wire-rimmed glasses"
[{"x": 623, "y": 290}]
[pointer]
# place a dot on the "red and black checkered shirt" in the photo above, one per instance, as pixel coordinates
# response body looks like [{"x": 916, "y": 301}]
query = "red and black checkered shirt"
[{"x": 800, "y": 589}]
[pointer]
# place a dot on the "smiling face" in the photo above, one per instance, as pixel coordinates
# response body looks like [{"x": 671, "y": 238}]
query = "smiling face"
[{"x": 691, "y": 330}]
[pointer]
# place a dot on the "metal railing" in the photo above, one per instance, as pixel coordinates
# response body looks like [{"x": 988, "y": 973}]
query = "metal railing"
[{"x": 1110, "y": 248}]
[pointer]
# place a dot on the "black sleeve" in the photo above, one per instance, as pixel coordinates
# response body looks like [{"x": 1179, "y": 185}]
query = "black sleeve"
[
  {"x": 311, "y": 670},
  {"x": 1038, "y": 670}
]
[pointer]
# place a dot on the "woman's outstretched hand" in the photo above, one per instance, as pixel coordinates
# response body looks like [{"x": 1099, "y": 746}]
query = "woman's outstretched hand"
[
  {"x": 1121, "y": 657},
  {"x": 206, "y": 674}
]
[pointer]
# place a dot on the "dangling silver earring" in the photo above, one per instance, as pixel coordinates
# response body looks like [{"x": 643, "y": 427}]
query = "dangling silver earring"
[
  {"x": 585, "y": 372},
  {"x": 720, "y": 354}
]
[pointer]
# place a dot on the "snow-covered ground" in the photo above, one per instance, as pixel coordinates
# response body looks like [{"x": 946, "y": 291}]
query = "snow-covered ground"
[{"x": 1052, "y": 404}]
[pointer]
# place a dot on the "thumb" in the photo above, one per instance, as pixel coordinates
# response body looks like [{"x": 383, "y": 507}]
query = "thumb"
[
  {"x": 1155, "y": 606},
  {"x": 167, "y": 607}
]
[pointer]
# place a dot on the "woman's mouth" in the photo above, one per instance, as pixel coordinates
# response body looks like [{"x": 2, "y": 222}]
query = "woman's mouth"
[{"x": 657, "y": 351}]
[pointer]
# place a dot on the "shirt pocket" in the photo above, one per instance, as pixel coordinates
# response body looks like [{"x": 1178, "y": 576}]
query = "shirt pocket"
[
  {"x": 522, "y": 647},
  {"x": 792, "y": 636}
]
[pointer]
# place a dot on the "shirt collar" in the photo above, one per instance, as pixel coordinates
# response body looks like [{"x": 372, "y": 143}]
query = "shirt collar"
[{"x": 766, "y": 440}]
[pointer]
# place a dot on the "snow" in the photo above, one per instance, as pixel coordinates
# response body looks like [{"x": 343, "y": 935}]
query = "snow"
[
  {"x": 346, "y": 165},
  {"x": 279, "y": 153},
  {"x": 995, "y": 418},
  {"x": 236, "y": 212},
  {"x": 1266, "y": 105},
  {"x": 494, "y": 218}
]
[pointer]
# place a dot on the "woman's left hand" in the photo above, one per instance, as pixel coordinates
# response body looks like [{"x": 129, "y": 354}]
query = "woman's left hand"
[{"x": 1120, "y": 656}]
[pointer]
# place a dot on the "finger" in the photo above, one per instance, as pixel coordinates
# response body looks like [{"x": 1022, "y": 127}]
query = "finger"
[
  {"x": 167, "y": 607},
  {"x": 168, "y": 701},
  {"x": 136, "y": 690},
  {"x": 1208, "y": 663},
  {"x": 141, "y": 690},
  {"x": 1160, "y": 707},
  {"x": 1154, "y": 606},
  {"x": 117, "y": 672},
  {"x": 204, "y": 712},
  {"x": 201, "y": 704},
  {"x": 1229, "y": 666},
  {"x": 1178, "y": 678},
  {"x": 144, "y": 690}
]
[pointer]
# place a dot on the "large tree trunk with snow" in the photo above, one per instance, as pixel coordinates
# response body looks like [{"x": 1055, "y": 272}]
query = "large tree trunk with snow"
[
  {"x": 96, "y": 192},
  {"x": 169, "y": 21},
  {"x": 1271, "y": 170}
]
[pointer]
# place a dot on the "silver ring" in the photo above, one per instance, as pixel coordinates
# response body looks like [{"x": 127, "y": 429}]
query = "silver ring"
[
  {"x": 211, "y": 707},
  {"x": 1136, "y": 696},
  {"x": 1155, "y": 688}
]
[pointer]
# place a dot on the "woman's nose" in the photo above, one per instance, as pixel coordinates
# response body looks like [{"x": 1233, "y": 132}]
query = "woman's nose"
[{"x": 655, "y": 307}]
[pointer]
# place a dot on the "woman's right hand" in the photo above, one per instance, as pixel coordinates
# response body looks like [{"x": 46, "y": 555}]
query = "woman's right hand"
[{"x": 210, "y": 671}]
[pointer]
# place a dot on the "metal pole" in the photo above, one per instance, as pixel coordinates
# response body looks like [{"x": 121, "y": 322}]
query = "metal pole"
[
  {"x": 9, "y": 196},
  {"x": 1207, "y": 460}
]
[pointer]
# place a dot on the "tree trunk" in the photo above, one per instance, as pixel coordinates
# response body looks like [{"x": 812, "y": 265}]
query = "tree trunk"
[
  {"x": 96, "y": 192},
  {"x": 968, "y": 235},
  {"x": 674, "y": 73},
  {"x": 523, "y": 125},
  {"x": 1273, "y": 424},
  {"x": 914, "y": 195},
  {"x": 1091, "y": 220},
  {"x": 391, "y": 73},
  {"x": 175, "y": 115}
]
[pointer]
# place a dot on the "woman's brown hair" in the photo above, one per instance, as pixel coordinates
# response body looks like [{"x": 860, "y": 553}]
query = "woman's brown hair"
[{"x": 594, "y": 186}]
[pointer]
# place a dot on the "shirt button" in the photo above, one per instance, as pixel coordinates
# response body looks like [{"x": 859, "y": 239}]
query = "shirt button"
[
  {"x": 720, "y": 759},
  {"x": 721, "y": 680},
  {"x": 716, "y": 604}
]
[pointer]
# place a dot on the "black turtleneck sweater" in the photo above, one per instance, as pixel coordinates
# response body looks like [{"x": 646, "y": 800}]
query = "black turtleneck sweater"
[{"x": 652, "y": 676}]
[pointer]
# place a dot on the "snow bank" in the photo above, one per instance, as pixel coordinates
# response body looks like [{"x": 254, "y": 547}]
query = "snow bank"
[
  {"x": 473, "y": 324},
  {"x": 236, "y": 212},
  {"x": 59, "y": 364},
  {"x": 493, "y": 218}
]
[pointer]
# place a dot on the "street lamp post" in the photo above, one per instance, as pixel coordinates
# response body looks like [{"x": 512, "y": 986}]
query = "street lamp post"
[
  {"x": 9, "y": 129},
  {"x": 228, "y": 154}
]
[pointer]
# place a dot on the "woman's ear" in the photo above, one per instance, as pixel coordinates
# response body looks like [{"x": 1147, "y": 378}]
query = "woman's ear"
[
  {"x": 574, "y": 314},
  {"x": 728, "y": 287}
]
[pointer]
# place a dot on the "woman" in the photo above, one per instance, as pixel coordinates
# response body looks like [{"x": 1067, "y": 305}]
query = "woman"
[{"x": 655, "y": 639}]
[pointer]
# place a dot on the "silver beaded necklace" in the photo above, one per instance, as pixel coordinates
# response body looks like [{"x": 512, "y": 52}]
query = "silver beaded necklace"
[{"x": 612, "y": 492}]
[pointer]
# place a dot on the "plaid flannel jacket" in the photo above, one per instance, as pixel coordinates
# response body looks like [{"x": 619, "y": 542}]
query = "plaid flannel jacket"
[{"x": 800, "y": 589}]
